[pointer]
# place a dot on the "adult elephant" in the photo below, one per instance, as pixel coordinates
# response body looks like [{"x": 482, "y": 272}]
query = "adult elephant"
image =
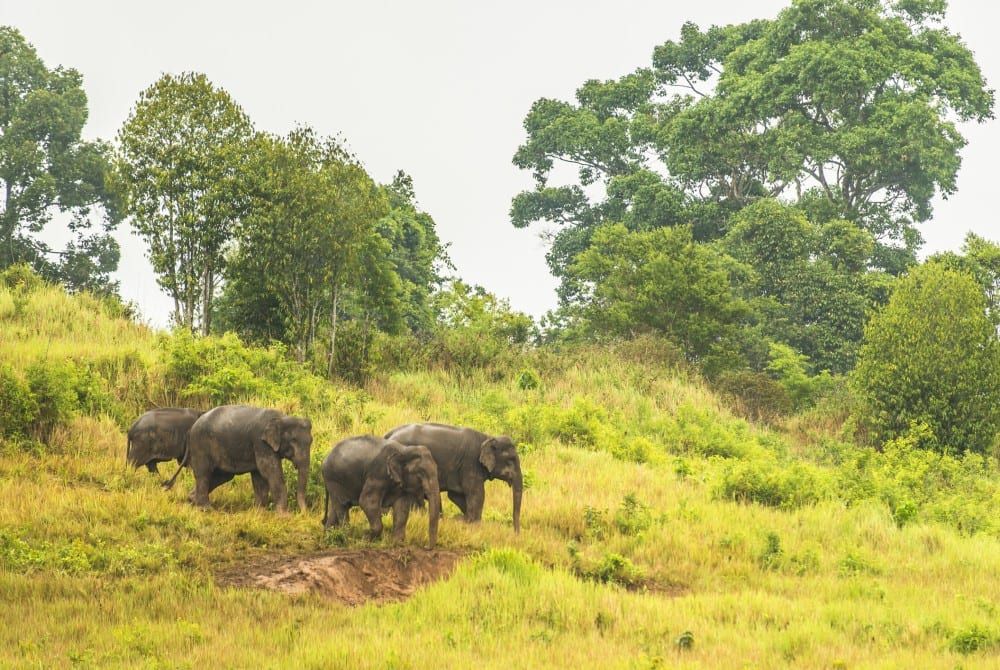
[
  {"x": 375, "y": 474},
  {"x": 237, "y": 439},
  {"x": 465, "y": 459},
  {"x": 159, "y": 435}
]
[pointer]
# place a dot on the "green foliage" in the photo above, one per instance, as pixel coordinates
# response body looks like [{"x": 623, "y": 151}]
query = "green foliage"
[
  {"x": 62, "y": 390},
  {"x": 768, "y": 481},
  {"x": 790, "y": 368},
  {"x": 46, "y": 167},
  {"x": 754, "y": 395},
  {"x": 181, "y": 175},
  {"x": 810, "y": 284},
  {"x": 475, "y": 329},
  {"x": 633, "y": 517},
  {"x": 221, "y": 370},
  {"x": 18, "y": 407},
  {"x": 931, "y": 357},
  {"x": 974, "y": 638},
  {"x": 661, "y": 281},
  {"x": 826, "y": 105},
  {"x": 528, "y": 379}
]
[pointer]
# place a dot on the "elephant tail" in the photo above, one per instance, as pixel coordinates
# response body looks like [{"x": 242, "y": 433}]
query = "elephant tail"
[
  {"x": 326, "y": 504},
  {"x": 128, "y": 447},
  {"x": 169, "y": 484}
]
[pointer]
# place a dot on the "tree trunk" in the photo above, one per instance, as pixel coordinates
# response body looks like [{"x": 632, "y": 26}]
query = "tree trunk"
[{"x": 333, "y": 332}]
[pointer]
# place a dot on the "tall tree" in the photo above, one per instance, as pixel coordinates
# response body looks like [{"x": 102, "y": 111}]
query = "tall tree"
[
  {"x": 309, "y": 226},
  {"x": 181, "y": 173},
  {"x": 46, "y": 168},
  {"x": 846, "y": 106},
  {"x": 416, "y": 252}
]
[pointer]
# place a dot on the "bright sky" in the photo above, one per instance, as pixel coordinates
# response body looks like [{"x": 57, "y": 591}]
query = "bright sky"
[{"x": 437, "y": 88}]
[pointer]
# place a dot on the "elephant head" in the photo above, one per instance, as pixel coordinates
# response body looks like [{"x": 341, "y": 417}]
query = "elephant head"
[
  {"x": 414, "y": 470},
  {"x": 291, "y": 438},
  {"x": 499, "y": 456}
]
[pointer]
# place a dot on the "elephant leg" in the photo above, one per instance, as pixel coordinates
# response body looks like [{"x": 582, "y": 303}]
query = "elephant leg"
[
  {"x": 151, "y": 466},
  {"x": 400, "y": 514},
  {"x": 199, "y": 496},
  {"x": 459, "y": 501},
  {"x": 474, "y": 505},
  {"x": 260, "y": 490},
  {"x": 270, "y": 470},
  {"x": 372, "y": 507}
]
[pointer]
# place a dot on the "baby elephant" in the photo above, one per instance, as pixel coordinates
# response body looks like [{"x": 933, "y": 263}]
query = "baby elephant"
[
  {"x": 374, "y": 474},
  {"x": 159, "y": 435}
]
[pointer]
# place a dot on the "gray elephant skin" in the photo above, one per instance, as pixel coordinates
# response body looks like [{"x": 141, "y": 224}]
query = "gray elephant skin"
[
  {"x": 375, "y": 474},
  {"x": 237, "y": 439},
  {"x": 158, "y": 436},
  {"x": 466, "y": 459}
]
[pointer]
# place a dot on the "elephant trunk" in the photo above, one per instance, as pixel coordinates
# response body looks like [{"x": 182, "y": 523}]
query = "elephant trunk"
[
  {"x": 300, "y": 491},
  {"x": 517, "y": 486},
  {"x": 433, "y": 512}
]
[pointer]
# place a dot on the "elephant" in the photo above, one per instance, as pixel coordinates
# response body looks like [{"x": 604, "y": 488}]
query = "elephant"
[
  {"x": 238, "y": 439},
  {"x": 159, "y": 435},
  {"x": 375, "y": 474},
  {"x": 465, "y": 459}
]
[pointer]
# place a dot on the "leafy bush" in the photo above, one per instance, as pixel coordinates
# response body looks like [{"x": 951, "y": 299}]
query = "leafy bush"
[
  {"x": 633, "y": 517},
  {"x": 754, "y": 394},
  {"x": 20, "y": 277},
  {"x": 790, "y": 369},
  {"x": 18, "y": 408},
  {"x": 528, "y": 379},
  {"x": 221, "y": 370},
  {"x": 55, "y": 386},
  {"x": 931, "y": 356},
  {"x": 769, "y": 482}
]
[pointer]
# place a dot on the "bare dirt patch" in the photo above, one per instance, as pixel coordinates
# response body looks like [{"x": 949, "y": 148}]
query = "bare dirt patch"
[{"x": 354, "y": 577}]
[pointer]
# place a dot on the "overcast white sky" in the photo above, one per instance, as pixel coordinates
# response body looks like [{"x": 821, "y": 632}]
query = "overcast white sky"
[{"x": 438, "y": 89}]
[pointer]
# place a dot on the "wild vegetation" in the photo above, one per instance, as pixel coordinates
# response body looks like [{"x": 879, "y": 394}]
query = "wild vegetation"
[
  {"x": 660, "y": 527},
  {"x": 756, "y": 432}
]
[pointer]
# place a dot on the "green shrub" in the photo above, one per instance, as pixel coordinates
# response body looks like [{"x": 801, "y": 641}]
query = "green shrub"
[
  {"x": 974, "y": 638},
  {"x": 754, "y": 395},
  {"x": 769, "y": 482},
  {"x": 633, "y": 517},
  {"x": 54, "y": 385},
  {"x": 18, "y": 408},
  {"x": 21, "y": 277},
  {"x": 528, "y": 379},
  {"x": 222, "y": 370},
  {"x": 790, "y": 369},
  {"x": 931, "y": 356}
]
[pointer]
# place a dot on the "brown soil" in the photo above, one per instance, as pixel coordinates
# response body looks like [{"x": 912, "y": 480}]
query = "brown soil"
[{"x": 354, "y": 577}]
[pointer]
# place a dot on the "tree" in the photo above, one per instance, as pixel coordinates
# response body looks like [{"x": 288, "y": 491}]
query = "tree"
[
  {"x": 662, "y": 281},
  {"x": 931, "y": 357},
  {"x": 46, "y": 168},
  {"x": 980, "y": 258},
  {"x": 308, "y": 240},
  {"x": 811, "y": 286},
  {"x": 846, "y": 107},
  {"x": 416, "y": 252},
  {"x": 181, "y": 173}
]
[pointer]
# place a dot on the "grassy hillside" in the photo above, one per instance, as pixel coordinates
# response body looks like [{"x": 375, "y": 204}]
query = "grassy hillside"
[{"x": 659, "y": 530}]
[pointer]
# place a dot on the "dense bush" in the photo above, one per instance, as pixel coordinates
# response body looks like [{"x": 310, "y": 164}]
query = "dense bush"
[
  {"x": 773, "y": 483},
  {"x": 222, "y": 370},
  {"x": 931, "y": 357},
  {"x": 18, "y": 408}
]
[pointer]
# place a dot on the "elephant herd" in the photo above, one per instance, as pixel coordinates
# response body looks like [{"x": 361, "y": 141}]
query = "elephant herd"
[{"x": 412, "y": 463}]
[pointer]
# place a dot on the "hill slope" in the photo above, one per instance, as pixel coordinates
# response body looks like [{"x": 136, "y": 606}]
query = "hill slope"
[{"x": 659, "y": 530}]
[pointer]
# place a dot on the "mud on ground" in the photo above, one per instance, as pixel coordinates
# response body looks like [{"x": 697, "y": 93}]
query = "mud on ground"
[{"x": 354, "y": 577}]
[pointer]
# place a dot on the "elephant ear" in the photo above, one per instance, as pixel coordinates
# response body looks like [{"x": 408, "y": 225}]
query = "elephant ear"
[
  {"x": 272, "y": 434},
  {"x": 488, "y": 454},
  {"x": 394, "y": 466}
]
